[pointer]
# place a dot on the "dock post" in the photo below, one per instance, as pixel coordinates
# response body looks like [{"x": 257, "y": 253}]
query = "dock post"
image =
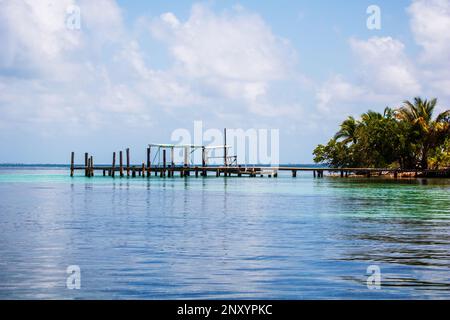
[
  {"x": 86, "y": 160},
  {"x": 104, "y": 172},
  {"x": 113, "y": 167},
  {"x": 203, "y": 161},
  {"x": 225, "y": 160},
  {"x": 143, "y": 169},
  {"x": 72, "y": 159},
  {"x": 149, "y": 163},
  {"x": 88, "y": 167},
  {"x": 128, "y": 162},
  {"x": 164, "y": 163},
  {"x": 92, "y": 166},
  {"x": 133, "y": 172},
  {"x": 314, "y": 173},
  {"x": 294, "y": 173},
  {"x": 196, "y": 172},
  {"x": 121, "y": 163}
]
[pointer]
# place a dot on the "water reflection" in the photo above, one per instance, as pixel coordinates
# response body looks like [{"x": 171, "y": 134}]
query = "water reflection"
[{"x": 223, "y": 237}]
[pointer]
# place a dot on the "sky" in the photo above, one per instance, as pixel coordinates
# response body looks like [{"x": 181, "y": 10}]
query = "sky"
[{"x": 101, "y": 76}]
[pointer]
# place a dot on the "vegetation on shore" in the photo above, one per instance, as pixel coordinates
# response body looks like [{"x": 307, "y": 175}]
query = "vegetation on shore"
[{"x": 408, "y": 138}]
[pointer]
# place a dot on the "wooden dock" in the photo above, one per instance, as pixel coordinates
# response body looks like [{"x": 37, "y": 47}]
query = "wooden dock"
[{"x": 146, "y": 169}]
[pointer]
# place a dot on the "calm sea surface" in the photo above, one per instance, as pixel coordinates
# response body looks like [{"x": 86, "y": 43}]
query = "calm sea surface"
[{"x": 283, "y": 238}]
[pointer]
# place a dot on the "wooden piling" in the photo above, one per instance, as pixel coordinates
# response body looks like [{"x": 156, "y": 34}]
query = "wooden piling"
[
  {"x": 143, "y": 169},
  {"x": 86, "y": 160},
  {"x": 113, "y": 167},
  {"x": 133, "y": 172},
  {"x": 72, "y": 163},
  {"x": 121, "y": 163},
  {"x": 128, "y": 162},
  {"x": 204, "y": 161},
  {"x": 92, "y": 167},
  {"x": 294, "y": 173},
  {"x": 149, "y": 163},
  {"x": 196, "y": 172},
  {"x": 164, "y": 163},
  {"x": 88, "y": 167},
  {"x": 225, "y": 160},
  {"x": 314, "y": 173}
]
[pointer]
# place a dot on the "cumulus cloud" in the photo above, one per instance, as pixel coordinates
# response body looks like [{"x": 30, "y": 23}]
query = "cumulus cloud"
[
  {"x": 87, "y": 78},
  {"x": 384, "y": 74},
  {"x": 430, "y": 24},
  {"x": 33, "y": 35},
  {"x": 384, "y": 65},
  {"x": 233, "y": 54}
]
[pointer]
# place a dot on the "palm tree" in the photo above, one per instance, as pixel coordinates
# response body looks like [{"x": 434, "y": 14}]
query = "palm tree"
[
  {"x": 432, "y": 133},
  {"x": 348, "y": 131}
]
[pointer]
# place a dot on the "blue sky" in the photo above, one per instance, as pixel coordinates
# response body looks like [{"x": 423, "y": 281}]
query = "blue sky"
[{"x": 138, "y": 70}]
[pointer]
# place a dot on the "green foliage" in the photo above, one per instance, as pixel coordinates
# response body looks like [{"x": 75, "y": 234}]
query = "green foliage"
[
  {"x": 407, "y": 137},
  {"x": 440, "y": 157}
]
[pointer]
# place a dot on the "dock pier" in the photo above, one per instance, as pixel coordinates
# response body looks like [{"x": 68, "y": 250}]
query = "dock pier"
[{"x": 166, "y": 167}]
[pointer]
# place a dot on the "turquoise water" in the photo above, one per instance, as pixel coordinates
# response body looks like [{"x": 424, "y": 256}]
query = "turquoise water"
[{"x": 213, "y": 238}]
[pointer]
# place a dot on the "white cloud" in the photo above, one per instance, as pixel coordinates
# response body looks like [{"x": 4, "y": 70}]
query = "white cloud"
[
  {"x": 33, "y": 35},
  {"x": 233, "y": 54},
  {"x": 384, "y": 66},
  {"x": 384, "y": 75},
  {"x": 430, "y": 24},
  {"x": 337, "y": 89},
  {"x": 86, "y": 79}
]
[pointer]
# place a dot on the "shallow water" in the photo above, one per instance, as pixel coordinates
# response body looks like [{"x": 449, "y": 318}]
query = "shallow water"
[{"x": 283, "y": 238}]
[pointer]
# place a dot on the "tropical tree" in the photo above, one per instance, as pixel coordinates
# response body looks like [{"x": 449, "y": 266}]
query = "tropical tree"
[
  {"x": 348, "y": 131},
  {"x": 427, "y": 133},
  {"x": 408, "y": 137}
]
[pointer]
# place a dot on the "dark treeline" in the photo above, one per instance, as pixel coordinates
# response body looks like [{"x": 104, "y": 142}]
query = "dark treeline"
[{"x": 408, "y": 138}]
